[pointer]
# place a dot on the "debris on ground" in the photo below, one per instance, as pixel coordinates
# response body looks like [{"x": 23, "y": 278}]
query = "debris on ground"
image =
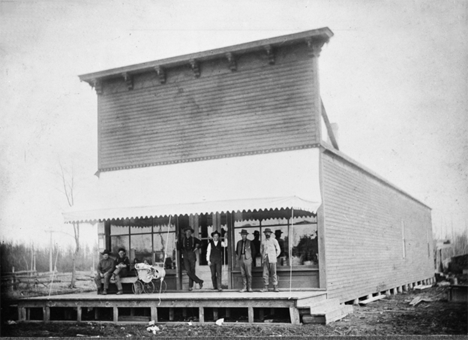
[
  {"x": 372, "y": 299},
  {"x": 421, "y": 287},
  {"x": 153, "y": 329},
  {"x": 419, "y": 299}
]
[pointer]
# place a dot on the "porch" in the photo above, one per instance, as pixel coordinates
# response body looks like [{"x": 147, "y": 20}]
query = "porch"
[{"x": 202, "y": 306}]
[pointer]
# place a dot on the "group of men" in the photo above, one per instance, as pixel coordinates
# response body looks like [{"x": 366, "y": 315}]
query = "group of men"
[
  {"x": 109, "y": 269},
  {"x": 246, "y": 251}
]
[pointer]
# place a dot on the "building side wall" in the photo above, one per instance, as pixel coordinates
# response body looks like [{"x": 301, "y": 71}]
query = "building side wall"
[
  {"x": 257, "y": 108},
  {"x": 377, "y": 238}
]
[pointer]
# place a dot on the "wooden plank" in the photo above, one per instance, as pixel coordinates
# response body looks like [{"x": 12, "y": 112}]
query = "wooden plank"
[
  {"x": 372, "y": 299},
  {"x": 78, "y": 314},
  {"x": 331, "y": 133},
  {"x": 201, "y": 314},
  {"x": 421, "y": 287},
  {"x": 307, "y": 302},
  {"x": 46, "y": 313},
  {"x": 115, "y": 314},
  {"x": 251, "y": 314},
  {"x": 154, "y": 313},
  {"x": 294, "y": 315}
]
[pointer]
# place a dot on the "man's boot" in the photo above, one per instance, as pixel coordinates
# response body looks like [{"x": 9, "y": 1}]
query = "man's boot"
[
  {"x": 243, "y": 290},
  {"x": 104, "y": 292},
  {"x": 264, "y": 290},
  {"x": 275, "y": 289},
  {"x": 249, "y": 288}
]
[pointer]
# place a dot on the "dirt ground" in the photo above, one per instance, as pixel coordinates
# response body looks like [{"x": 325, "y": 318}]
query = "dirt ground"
[{"x": 390, "y": 316}]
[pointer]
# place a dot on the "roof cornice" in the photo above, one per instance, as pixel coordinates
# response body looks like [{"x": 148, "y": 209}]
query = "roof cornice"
[{"x": 312, "y": 38}]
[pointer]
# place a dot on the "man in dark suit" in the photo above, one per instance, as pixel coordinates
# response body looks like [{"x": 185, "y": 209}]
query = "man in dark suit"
[
  {"x": 189, "y": 245},
  {"x": 244, "y": 251}
]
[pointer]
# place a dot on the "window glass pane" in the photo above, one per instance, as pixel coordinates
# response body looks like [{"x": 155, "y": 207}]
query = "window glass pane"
[
  {"x": 304, "y": 242},
  {"x": 119, "y": 242},
  {"x": 142, "y": 247},
  {"x": 118, "y": 229},
  {"x": 165, "y": 243},
  {"x": 101, "y": 229},
  {"x": 140, "y": 230},
  {"x": 101, "y": 243},
  {"x": 274, "y": 221}
]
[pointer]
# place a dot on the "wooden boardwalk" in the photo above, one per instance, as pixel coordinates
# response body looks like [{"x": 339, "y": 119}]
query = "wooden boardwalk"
[{"x": 199, "y": 306}]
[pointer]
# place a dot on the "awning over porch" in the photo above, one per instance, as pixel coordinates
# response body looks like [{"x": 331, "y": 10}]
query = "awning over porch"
[
  {"x": 240, "y": 205},
  {"x": 260, "y": 182}
]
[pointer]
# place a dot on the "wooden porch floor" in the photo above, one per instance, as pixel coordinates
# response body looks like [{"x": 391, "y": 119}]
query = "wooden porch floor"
[{"x": 201, "y": 305}]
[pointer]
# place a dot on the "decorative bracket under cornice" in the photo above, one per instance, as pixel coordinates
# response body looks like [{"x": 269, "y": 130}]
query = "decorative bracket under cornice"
[
  {"x": 161, "y": 74},
  {"x": 97, "y": 84},
  {"x": 314, "y": 47},
  {"x": 270, "y": 53},
  {"x": 232, "y": 61},
  {"x": 128, "y": 80},
  {"x": 195, "y": 65}
]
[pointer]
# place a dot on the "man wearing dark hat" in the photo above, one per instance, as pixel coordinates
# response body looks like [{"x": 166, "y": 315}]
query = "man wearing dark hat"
[
  {"x": 270, "y": 250},
  {"x": 104, "y": 271},
  {"x": 214, "y": 257},
  {"x": 189, "y": 246},
  {"x": 244, "y": 251},
  {"x": 278, "y": 233}
]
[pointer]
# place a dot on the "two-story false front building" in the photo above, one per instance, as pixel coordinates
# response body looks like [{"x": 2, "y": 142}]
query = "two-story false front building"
[{"x": 232, "y": 139}]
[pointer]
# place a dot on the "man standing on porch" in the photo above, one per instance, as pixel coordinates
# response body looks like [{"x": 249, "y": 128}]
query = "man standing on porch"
[
  {"x": 189, "y": 246},
  {"x": 244, "y": 250},
  {"x": 270, "y": 250},
  {"x": 214, "y": 257}
]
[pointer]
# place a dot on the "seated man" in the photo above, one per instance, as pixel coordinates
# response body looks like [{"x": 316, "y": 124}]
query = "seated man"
[
  {"x": 104, "y": 271},
  {"x": 122, "y": 267}
]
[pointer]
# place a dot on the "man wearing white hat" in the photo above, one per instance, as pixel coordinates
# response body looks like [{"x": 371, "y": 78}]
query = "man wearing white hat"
[{"x": 270, "y": 250}]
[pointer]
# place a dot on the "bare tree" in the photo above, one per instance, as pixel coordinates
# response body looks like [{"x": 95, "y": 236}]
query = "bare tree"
[{"x": 68, "y": 182}]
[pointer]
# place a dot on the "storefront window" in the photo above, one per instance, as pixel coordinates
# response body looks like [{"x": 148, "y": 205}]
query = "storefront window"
[
  {"x": 117, "y": 229},
  {"x": 297, "y": 238},
  {"x": 119, "y": 241},
  {"x": 141, "y": 230},
  {"x": 142, "y": 247},
  {"x": 304, "y": 243},
  {"x": 164, "y": 245},
  {"x": 145, "y": 239}
]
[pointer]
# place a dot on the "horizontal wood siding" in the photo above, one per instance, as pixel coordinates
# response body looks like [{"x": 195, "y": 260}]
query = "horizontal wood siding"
[
  {"x": 258, "y": 108},
  {"x": 366, "y": 251}
]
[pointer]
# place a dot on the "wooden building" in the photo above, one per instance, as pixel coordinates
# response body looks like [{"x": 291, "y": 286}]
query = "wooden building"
[{"x": 234, "y": 138}]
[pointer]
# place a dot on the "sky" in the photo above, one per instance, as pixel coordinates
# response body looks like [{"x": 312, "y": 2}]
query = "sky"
[{"x": 394, "y": 78}]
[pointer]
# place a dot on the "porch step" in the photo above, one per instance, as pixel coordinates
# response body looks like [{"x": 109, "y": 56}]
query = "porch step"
[{"x": 327, "y": 311}]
